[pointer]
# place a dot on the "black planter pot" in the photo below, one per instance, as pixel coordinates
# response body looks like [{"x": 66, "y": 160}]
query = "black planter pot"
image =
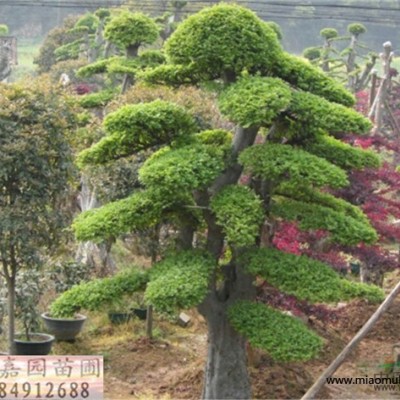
[
  {"x": 64, "y": 329},
  {"x": 141, "y": 313},
  {"x": 355, "y": 268},
  {"x": 39, "y": 345},
  {"x": 118, "y": 318}
]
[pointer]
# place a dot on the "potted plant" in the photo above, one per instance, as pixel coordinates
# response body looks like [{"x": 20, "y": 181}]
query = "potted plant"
[
  {"x": 139, "y": 309},
  {"x": 64, "y": 328},
  {"x": 27, "y": 296},
  {"x": 119, "y": 312},
  {"x": 64, "y": 275}
]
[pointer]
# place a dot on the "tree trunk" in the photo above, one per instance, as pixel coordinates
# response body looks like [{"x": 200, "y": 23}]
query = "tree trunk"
[
  {"x": 11, "y": 313},
  {"x": 351, "y": 60},
  {"x": 131, "y": 52},
  {"x": 226, "y": 375},
  {"x": 88, "y": 252}
]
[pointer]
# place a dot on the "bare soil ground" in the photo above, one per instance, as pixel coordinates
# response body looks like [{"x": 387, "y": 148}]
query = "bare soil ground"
[{"x": 171, "y": 365}]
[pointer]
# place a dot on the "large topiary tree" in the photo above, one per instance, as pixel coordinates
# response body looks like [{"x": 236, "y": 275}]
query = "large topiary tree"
[{"x": 196, "y": 182}]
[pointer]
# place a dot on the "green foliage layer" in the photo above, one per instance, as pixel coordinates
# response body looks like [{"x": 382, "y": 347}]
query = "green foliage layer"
[
  {"x": 223, "y": 39},
  {"x": 136, "y": 127},
  {"x": 343, "y": 228},
  {"x": 97, "y": 67},
  {"x": 310, "y": 195},
  {"x": 3, "y": 30},
  {"x": 301, "y": 74},
  {"x": 284, "y": 337},
  {"x": 240, "y": 213},
  {"x": 314, "y": 112},
  {"x": 179, "y": 281},
  {"x": 172, "y": 75},
  {"x": 342, "y": 154},
  {"x": 255, "y": 101},
  {"x": 215, "y": 137},
  {"x": 138, "y": 211},
  {"x": 99, "y": 99},
  {"x": 305, "y": 278},
  {"x": 131, "y": 29},
  {"x": 276, "y": 162},
  {"x": 96, "y": 294},
  {"x": 182, "y": 169}
]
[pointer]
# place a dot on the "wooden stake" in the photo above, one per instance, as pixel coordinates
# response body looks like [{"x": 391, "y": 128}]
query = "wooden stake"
[
  {"x": 372, "y": 95},
  {"x": 319, "y": 384},
  {"x": 149, "y": 322}
]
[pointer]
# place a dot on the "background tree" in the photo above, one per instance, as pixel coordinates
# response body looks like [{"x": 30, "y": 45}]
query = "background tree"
[
  {"x": 35, "y": 168},
  {"x": 5, "y": 55},
  {"x": 195, "y": 183},
  {"x": 130, "y": 31},
  {"x": 350, "y": 62}
]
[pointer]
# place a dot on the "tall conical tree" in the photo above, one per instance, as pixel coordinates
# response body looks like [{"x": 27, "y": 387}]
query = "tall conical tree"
[{"x": 193, "y": 181}]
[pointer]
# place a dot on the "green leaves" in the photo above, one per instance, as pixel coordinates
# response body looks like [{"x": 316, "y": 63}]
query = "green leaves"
[
  {"x": 240, "y": 213},
  {"x": 343, "y": 228},
  {"x": 182, "y": 169},
  {"x": 304, "y": 76},
  {"x": 313, "y": 112},
  {"x": 276, "y": 162},
  {"x": 172, "y": 75},
  {"x": 179, "y": 281},
  {"x": 255, "y": 101},
  {"x": 136, "y": 127},
  {"x": 140, "y": 210},
  {"x": 342, "y": 154},
  {"x": 310, "y": 195},
  {"x": 127, "y": 29},
  {"x": 99, "y": 99},
  {"x": 284, "y": 337},
  {"x": 35, "y": 168},
  {"x": 225, "y": 38},
  {"x": 305, "y": 278},
  {"x": 96, "y": 294}
]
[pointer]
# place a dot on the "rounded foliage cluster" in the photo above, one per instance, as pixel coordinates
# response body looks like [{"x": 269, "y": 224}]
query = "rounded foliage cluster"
[
  {"x": 182, "y": 169},
  {"x": 179, "y": 281},
  {"x": 277, "y": 162},
  {"x": 356, "y": 29},
  {"x": 136, "y": 127},
  {"x": 276, "y": 28},
  {"x": 223, "y": 39},
  {"x": 3, "y": 29},
  {"x": 343, "y": 228},
  {"x": 96, "y": 294},
  {"x": 255, "y": 101},
  {"x": 342, "y": 154},
  {"x": 312, "y": 53},
  {"x": 329, "y": 33},
  {"x": 264, "y": 328},
  {"x": 306, "y": 278},
  {"x": 102, "y": 13},
  {"x": 300, "y": 73},
  {"x": 240, "y": 213},
  {"x": 314, "y": 113},
  {"x": 90, "y": 21},
  {"x": 131, "y": 29}
]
